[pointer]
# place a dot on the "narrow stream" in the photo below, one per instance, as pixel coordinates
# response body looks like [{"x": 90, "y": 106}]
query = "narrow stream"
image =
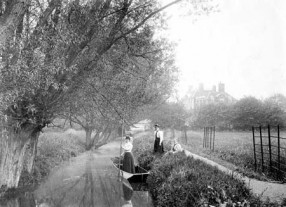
[{"x": 87, "y": 180}]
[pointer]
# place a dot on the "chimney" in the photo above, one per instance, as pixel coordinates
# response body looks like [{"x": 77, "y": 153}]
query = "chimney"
[
  {"x": 214, "y": 88},
  {"x": 221, "y": 87}
]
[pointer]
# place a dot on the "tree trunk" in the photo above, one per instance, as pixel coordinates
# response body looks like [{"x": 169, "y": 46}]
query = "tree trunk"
[
  {"x": 104, "y": 137},
  {"x": 31, "y": 152},
  {"x": 11, "y": 18},
  {"x": 88, "y": 132},
  {"x": 13, "y": 146},
  {"x": 108, "y": 134},
  {"x": 95, "y": 138},
  {"x": 186, "y": 136}
]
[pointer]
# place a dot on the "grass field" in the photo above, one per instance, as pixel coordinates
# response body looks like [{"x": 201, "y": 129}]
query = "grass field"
[{"x": 236, "y": 148}]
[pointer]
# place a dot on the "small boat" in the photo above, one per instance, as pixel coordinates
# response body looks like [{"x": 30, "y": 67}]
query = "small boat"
[{"x": 140, "y": 174}]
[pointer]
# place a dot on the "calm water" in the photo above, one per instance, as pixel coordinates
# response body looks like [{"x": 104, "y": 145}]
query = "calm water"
[{"x": 88, "y": 180}]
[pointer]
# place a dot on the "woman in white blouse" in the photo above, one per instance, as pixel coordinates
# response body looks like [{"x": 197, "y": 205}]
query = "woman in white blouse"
[
  {"x": 128, "y": 159},
  {"x": 158, "y": 142}
]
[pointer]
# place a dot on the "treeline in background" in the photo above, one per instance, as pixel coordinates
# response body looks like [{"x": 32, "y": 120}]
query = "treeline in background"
[{"x": 241, "y": 115}]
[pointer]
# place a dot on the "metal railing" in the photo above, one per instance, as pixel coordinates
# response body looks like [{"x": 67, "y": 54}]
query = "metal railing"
[
  {"x": 269, "y": 150},
  {"x": 209, "y": 137}
]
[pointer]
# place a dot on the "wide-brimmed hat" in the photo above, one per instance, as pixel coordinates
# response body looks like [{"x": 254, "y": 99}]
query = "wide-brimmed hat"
[{"x": 156, "y": 125}]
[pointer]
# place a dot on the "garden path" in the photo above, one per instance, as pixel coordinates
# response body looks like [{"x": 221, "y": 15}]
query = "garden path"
[{"x": 265, "y": 190}]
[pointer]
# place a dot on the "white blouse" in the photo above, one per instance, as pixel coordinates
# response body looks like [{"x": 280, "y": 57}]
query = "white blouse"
[
  {"x": 177, "y": 148},
  {"x": 127, "y": 147},
  {"x": 159, "y": 135}
]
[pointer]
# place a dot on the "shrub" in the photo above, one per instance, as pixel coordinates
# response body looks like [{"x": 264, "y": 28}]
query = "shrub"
[
  {"x": 177, "y": 180},
  {"x": 161, "y": 170},
  {"x": 146, "y": 159},
  {"x": 53, "y": 148}
]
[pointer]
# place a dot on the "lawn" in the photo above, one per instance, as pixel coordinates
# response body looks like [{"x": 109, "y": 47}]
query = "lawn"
[{"x": 236, "y": 148}]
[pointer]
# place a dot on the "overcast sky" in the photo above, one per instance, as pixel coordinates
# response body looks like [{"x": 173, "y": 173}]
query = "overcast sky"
[{"x": 242, "y": 46}]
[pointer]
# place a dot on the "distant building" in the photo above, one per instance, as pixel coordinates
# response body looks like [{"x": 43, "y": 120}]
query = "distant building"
[{"x": 195, "y": 99}]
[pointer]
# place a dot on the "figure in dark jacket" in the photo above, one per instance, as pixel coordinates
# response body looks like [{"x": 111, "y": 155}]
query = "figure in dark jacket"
[{"x": 158, "y": 143}]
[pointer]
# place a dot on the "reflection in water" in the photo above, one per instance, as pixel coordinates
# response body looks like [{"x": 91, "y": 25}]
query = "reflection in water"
[
  {"x": 127, "y": 195},
  {"x": 87, "y": 196},
  {"x": 87, "y": 181}
]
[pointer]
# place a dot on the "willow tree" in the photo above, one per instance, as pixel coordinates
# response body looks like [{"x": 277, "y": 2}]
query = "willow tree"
[
  {"x": 48, "y": 51},
  {"x": 137, "y": 73}
]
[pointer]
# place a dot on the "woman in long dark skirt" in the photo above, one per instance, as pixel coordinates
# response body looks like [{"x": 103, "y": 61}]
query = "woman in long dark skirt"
[
  {"x": 128, "y": 159},
  {"x": 158, "y": 142}
]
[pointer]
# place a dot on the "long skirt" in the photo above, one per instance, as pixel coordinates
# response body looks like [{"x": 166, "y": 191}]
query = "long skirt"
[
  {"x": 128, "y": 163},
  {"x": 157, "y": 147}
]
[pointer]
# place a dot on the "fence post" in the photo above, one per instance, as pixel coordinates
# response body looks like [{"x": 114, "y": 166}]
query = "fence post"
[
  {"x": 186, "y": 134},
  {"x": 207, "y": 135},
  {"x": 205, "y": 140},
  {"x": 269, "y": 144},
  {"x": 211, "y": 134},
  {"x": 279, "y": 161},
  {"x": 204, "y": 137},
  {"x": 261, "y": 147},
  {"x": 213, "y": 138},
  {"x": 254, "y": 151}
]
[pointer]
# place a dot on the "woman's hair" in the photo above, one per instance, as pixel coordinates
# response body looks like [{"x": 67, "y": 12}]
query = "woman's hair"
[{"x": 127, "y": 137}]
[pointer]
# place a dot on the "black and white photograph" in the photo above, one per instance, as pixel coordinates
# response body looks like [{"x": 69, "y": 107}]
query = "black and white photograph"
[{"x": 142, "y": 103}]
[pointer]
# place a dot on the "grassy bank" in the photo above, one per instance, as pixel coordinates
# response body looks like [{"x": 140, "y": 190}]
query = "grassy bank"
[
  {"x": 233, "y": 150},
  {"x": 178, "y": 180},
  {"x": 54, "y": 147}
]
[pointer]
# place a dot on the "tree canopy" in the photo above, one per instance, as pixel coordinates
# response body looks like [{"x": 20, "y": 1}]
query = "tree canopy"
[
  {"x": 58, "y": 55},
  {"x": 62, "y": 44}
]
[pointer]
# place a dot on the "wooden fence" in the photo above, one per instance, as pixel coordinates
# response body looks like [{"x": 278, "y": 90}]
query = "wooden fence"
[
  {"x": 269, "y": 150},
  {"x": 209, "y": 137}
]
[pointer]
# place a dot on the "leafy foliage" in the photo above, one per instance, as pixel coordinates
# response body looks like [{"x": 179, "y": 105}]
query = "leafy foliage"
[
  {"x": 169, "y": 115},
  {"x": 178, "y": 180},
  {"x": 71, "y": 45},
  {"x": 218, "y": 115},
  {"x": 53, "y": 148},
  {"x": 244, "y": 114}
]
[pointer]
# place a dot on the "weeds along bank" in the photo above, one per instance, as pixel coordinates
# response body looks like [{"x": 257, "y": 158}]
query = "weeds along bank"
[
  {"x": 236, "y": 148},
  {"x": 178, "y": 180},
  {"x": 54, "y": 147}
]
